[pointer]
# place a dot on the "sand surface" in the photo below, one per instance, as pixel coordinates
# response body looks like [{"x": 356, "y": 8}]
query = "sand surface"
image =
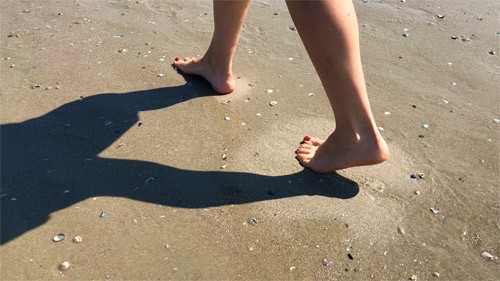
[{"x": 102, "y": 138}]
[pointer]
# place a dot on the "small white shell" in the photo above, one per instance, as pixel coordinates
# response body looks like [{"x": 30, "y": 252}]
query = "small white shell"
[
  {"x": 77, "y": 239},
  {"x": 488, "y": 256},
  {"x": 273, "y": 103},
  {"x": 58, "y": 237},
  {"x": 64, "y": 266}
]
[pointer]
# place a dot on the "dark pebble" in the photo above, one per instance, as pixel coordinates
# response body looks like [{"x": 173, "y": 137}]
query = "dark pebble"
[{"x": 350, "y": 256}]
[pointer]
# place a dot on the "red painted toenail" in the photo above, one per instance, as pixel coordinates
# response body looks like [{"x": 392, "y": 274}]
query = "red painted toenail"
[
  {"x": 307, "y": 138},
  {"x": 177, "y": 59}
]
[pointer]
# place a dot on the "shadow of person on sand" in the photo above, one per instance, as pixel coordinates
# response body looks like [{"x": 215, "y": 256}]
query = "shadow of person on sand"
[{"x": 44, "y": 156}]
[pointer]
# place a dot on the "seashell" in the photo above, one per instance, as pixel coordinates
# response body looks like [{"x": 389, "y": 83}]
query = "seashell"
[
  {"x": 59, "y": 237},
  {"x": 149, "y": 180},
  {"x": 273, "y": 103},
  {"x": 488, "y": 256},
  {"x": 269, "y": 91},
  {"x": 64, "y": 266},
  {"x": 77, "y": 239},
  {"x": 435, "y": 210},
  {"x": 252, "y": 221}
]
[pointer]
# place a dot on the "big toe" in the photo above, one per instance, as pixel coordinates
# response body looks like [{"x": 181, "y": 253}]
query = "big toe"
[{"x": 314, "y": 141}]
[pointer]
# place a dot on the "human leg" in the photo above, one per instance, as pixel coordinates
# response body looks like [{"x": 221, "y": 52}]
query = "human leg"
[
  {"x": 216, "y": 65},
  {"x": 329, "y": 31}
]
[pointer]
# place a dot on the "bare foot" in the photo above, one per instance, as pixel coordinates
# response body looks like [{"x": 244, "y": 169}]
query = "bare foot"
[
  {"x": 337, "y": 152},
  {"x": 222, "y": 80}
]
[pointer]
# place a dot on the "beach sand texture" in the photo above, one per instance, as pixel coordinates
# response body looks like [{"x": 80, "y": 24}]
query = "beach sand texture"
[{"x": 164, "y": 179}]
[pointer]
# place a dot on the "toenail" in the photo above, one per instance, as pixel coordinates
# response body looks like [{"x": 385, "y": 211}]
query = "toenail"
[
  {"x": 177, "y": 59},
  {"x": 307, "y": 138}
]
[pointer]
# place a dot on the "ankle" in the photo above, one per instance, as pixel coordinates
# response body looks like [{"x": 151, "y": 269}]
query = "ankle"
[{"x": 220, "y": 65}]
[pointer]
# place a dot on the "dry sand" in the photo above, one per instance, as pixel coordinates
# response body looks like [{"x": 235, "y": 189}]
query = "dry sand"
[{"x": 95, "y": 119}]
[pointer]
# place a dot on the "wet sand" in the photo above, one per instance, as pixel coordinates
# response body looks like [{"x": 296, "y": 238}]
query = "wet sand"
[{"x": 164, "y": 179}]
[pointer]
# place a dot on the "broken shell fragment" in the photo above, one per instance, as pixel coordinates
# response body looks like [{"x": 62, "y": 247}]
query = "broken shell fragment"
[
  {"x": 77, "y": 239},
  {"x": 59, "y": 237},
  {"x": 252, "y": 221},
  {"x": 273, "y": 103},
  {"x": 64, "y": 266},
  {"x": 435, "y": 210}
]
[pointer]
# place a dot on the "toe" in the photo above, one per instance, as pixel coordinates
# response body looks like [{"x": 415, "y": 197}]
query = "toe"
[
  {"x": 302, "y": 150},
  {"x": 303, "y": 159},
  {"x": 316, "y": 141},
  {"x": 305, "y": 145}
]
